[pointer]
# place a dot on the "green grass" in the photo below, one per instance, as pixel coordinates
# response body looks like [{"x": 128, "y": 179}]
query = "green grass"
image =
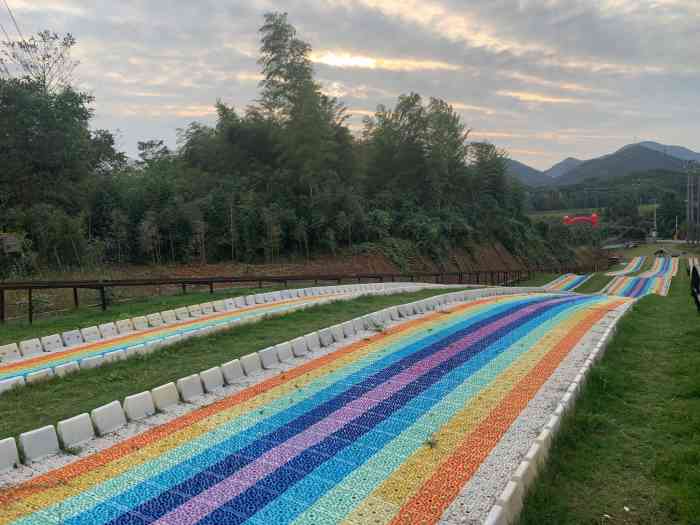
[
  {"x": 633, "y": 440},
  {"x": 18, "y": 330},
  {"x": 539, "y": 279},
  {"x": 46, "y": 403},
  {"x": 595, "y": 284}
]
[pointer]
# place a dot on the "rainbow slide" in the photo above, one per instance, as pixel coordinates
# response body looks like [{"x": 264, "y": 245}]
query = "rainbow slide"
[
  {"x": 566, "y": 283},
  {"x": 165, "y": 333},
  {"x": 632, "y": 267},
  {"x": 665, "y": 267},
  {"x": 637, "y": 286},
  {"x": 340, "y": 439}
]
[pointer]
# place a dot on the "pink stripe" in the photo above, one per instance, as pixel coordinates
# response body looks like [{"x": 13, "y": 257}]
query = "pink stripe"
[{"x": 196, "y": 508}]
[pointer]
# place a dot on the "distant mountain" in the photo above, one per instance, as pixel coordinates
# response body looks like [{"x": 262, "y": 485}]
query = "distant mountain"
[
  {"x": 563, "y": 167},
  {"x": 527, "y": 175},
  {"x": 629, "y": 159},
  {"x": 674, "y": 151}
]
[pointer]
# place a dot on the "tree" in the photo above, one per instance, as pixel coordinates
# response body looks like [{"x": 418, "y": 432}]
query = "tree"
[{"x": 45, "y": 59}]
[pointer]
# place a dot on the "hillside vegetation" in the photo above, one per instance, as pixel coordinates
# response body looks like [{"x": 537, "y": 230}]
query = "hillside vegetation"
[{"x": 283, "y": 177}]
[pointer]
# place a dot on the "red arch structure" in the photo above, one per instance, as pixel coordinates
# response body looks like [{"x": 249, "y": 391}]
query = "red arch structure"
[{"x": 590, "y": 219}]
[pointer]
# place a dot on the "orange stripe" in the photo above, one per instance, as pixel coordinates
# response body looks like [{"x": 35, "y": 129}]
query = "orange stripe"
[{"x": 446, "y": 483}]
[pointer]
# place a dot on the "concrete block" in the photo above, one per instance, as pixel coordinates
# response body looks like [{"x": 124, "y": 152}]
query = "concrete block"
[
  {"x": 232, "y": 371},
  {"x": 139, "y": 406},
  {"x": 284, "y": 352},
  {"x": 207, "y": 308},
  {"x": 52, "y": 343},
  {"x": 169, "y": 316},
  {"x": 39, "y": 443},
  {"x": 299, "y": 348},
  {"x": 268, "y": 357},
  {"x": 113, "y": 357},
  {"x": 524, "y": 474},
  {"x": 9, "y": 352},
  {"x": 125, "y": 326},
  {"x": 497, "y": 516},
  {"x": 182, "y": 314},
  {"x": 108, "y": 418},
  {"x": 511, "y": 499},
  {"x": 251, "y": 364},
  {"x": 337, "y": 332},
  {"x": 285, "y": 295},
  {"x": 9, "y": 384},
  {"x": 359, "y": 324},
  {"x": 165, "y": 396},
  {"x": 326, "y": 337},
  {"x": 66, "y": 368},
  {"x": 313, "y": 342},
  {"x": 90, "y": 334},
  {"x": 190, "y": 387},
  {"x": 348, "y": 329},
  {"x": 140, "y": 323},
  {"x": 212, "y": 379},
  {"x": 154, "y": 320},
  {"x": 30, "y": 348},
  {"x": 39, "y": 376},
  {"x": 534, "y": 456},
  {"x": 91, "y": 362},
  {"x": 195, "y": 310},
  {"x": 75, "y": 431},
  {"x": 108, "y": 330},
  {"x": 544, "y": 440},
  {"x": 9, "y": 456},
  {"x": 239, "y": 302},
  {"x": 220, "y": 306},
  {"x": 259, "y": 298},
  {"x": 249, "y": 300},
  {"x": 230, "y": 304},
  {"x": 394, "y": 313}
]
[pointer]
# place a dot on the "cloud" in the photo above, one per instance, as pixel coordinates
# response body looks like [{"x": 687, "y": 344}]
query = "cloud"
[
  {"x": 539, "y": 98},
  {"x": 342, "y": 59},
  {"x": 562, "y": 77}
]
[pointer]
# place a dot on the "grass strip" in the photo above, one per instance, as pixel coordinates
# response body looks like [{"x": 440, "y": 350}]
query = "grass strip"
[
  {"x": 630, "y": 451},
  {"x": 595, "y": 284},
  {"x": 19, "y": 330},
  {"x": 46, "y": 403},
  {"x": 539, "y": 279}
]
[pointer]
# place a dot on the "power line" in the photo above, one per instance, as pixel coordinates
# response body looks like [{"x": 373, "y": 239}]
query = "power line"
[{"x": 14, "y": 21}]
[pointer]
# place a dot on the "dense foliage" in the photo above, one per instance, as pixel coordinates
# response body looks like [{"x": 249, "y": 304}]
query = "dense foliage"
[{"x": 283, "y": 177}]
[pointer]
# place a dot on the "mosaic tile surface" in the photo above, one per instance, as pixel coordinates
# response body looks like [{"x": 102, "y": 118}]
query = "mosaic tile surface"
[
  {"x": 385, "y": 430},
  {"x": 655, "y": 281},
  {"x": 566, "y": 283},
  {"x": 632, "y": 267},
  {"x": 153, "y": 335}
]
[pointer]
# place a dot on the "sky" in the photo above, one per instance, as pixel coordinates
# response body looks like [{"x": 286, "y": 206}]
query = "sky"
[{"x": 542, "y": 79}]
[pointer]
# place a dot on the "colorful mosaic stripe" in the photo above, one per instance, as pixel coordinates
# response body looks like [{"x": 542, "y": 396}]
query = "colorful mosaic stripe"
[
  {"x": 154, "y": 335},
  {"x": 664, "y": 267},
  {"x": 566, "y": 283},
  {"x": 633, "y": 266},
  {"x": 637, "y": 286},
  {"x": 385, "y": 430}
]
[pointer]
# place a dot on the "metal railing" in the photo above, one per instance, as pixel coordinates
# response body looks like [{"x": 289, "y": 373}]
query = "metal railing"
[{"x": 481, "y": 277}]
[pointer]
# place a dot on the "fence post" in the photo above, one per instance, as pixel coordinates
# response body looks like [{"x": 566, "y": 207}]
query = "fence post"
[
  {"x": 76, "y": 299},
  {"x": 211, "y": 287},
  {"x": 30, "y": 306},
  {"x": 2, "y": 305},
  {"x": 103, "y": 298},
  {"x": 184, "y": 289}
]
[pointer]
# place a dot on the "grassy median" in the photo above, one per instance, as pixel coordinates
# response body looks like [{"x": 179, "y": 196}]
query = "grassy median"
[
  {"x": 46, "y": 403},
  {"x": 19, "y": 330},
  {"x": 630, "y": 451}
]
